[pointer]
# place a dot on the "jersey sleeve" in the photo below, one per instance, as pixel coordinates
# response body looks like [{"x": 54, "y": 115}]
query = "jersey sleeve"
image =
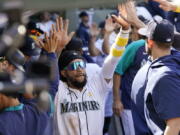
[
  {"x": 165, "y": 97},
  {"x": 55, "y": 82},
  {"x": 128, "y": 57}
]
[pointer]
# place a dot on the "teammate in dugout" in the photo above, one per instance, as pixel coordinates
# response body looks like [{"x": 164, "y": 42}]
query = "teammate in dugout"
[
  {"x": 79, "y": 102},
  {"x": 157, "y": 91}
]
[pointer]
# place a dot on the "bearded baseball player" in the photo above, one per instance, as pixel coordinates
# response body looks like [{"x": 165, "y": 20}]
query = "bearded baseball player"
[{"x": 79, "y": 102}]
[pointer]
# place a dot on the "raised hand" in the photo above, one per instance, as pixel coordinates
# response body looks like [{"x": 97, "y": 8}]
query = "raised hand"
[
  {"x": 109, "y": 25},
  {"x": 121, "y": 19},
  {"x": 50, "y": 43},
  {"x": 94, "y": 31},
  {"x": 61, "y": 32},
  {"x": 128, "y": 11},
  {"x": 166, "y": 5}
]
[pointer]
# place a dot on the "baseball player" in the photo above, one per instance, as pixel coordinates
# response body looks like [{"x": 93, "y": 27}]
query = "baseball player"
[{"x": 79, "y": 102}]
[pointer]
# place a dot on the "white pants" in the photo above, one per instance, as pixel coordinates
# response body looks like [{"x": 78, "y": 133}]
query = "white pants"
[{"x": 127, "y": 122}]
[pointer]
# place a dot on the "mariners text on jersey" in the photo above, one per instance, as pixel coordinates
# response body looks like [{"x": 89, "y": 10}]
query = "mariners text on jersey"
[{"x": 79, "y": 106}]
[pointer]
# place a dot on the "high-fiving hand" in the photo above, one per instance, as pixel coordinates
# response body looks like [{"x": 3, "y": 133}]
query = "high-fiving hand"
[
  {"x": 50, "y": 43},
  {"x": 94, "y": 30},
  {"x": 109, "y": 25},
  {"x": 61, "y": 32}
]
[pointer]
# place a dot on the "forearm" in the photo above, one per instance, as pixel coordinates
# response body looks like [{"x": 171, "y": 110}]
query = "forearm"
[
  {"x": 106, "y": 45},
  {"x": 172, "y": 130},
  {"x": 116, "y": 86},
  {"x": 92, "y": 48},
  {"x": 138, "y": 24},
  {"x": 54, "y": 83},
  {"x": 172, "y": 127},
  {"x": 116, "y": 52}
]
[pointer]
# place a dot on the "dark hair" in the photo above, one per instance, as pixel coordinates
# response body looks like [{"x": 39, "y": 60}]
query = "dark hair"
[
  {"x": 176, "y": 43},
  {"x": 163, "y": 45},
  {"x": 75, "y": 44},
  {"x": 82, "y": 14},
  {"x": 102, "y": 24}
]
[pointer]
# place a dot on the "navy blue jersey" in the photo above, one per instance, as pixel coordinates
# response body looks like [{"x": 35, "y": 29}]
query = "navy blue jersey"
[
  {"x": 132, "y": 60},
  {"x": 24, "y": 119},
  {"x": 137, "y": 96},
  {"x": 162, "y": 92},
  {"x": 83, "y": 33}
]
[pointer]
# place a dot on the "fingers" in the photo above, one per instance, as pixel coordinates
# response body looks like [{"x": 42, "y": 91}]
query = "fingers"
[
  {"x": 120, "y": 20},
  {"x": 66, "y": 25},
  {"x": 61, "y": 25},
  {"x": 53, "y": 28},
  {"x": 117, "y": 107},
  {"x": 40, "y": 43},
  {"x": 117, "y": 111},
  {"x": 58, "y": 23},
  {"x": 123, "y": 10},
  {"x": 46, "y": 36},
  {"x": 50, "y": 40}
]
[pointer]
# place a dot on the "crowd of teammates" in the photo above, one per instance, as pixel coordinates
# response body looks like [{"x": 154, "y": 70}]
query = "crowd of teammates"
[{"x": 128, "y": 65}]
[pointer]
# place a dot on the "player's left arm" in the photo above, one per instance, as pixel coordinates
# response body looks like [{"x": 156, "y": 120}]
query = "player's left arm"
[
  {"x": 172, "y": 126},
  {"x": 117, "y": 48},
  {"x": 166, "y": 101}
]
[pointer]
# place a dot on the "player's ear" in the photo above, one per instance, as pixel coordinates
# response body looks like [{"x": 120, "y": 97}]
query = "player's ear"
[
  {"x": 150, "y": 43},
  {"x": 63, "y": 73}
]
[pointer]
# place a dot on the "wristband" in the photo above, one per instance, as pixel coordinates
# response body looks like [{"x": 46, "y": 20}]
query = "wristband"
[{"x": 116, "y": 53}]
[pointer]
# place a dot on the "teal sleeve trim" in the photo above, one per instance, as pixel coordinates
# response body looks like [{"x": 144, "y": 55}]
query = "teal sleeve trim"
[
  {"x": 128, "y": 56},
  {"x": 51, "y": 106},
  {"x": 15, "y": 108}
]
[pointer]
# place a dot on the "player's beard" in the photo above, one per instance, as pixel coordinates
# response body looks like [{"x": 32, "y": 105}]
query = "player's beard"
[{"x": 76, "y": 83}]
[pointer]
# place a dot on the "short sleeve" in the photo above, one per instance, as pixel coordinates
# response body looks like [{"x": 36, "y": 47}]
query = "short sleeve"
[
  {"x": 128, "y": 56},
  {"x": 166, "y": 97}
]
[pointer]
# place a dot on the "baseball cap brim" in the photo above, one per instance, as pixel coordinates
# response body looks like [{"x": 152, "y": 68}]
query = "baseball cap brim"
[
  {"x": 21, "y": 68},
  {"x": 143, "y": 31},
  {"x": 147, "y": 30}
]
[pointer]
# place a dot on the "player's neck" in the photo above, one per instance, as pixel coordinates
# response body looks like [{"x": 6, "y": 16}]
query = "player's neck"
[
  {"x": 160, "y": 53},
  {"x": 74, "y": 87}
]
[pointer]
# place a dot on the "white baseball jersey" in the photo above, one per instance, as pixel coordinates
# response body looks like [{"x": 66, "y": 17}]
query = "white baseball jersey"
[{"x": 81, "y": 113}]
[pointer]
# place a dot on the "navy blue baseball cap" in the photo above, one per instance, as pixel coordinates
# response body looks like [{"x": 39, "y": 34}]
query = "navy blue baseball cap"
[
  {"x": 83, "y": 13},
  {"x": 34, "y": 26},
  {"x": 67, "y": 57},
  {"x": 161, "y": 31},
  {"x": 16, "y": 58}
]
